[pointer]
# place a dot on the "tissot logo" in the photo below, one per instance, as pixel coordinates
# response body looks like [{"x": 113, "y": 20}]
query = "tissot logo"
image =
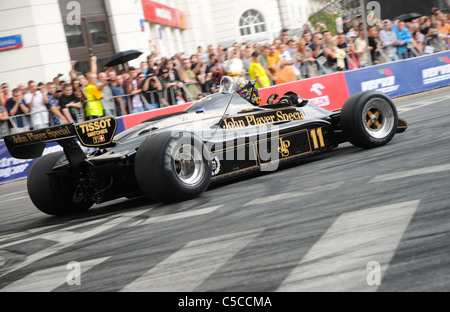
[
  {"x": 438, "y": 73},
  {"x": 385, "y": 84}
]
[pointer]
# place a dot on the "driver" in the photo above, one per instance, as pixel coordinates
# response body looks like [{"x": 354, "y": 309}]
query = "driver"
[{"x": 248, "y": 91}]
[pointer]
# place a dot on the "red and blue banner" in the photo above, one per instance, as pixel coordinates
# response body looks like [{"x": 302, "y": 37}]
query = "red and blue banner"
[
  {"x": 402, "y": 77},
  {"x": 329, "y": 92},
  {"x": 429, "y": 73},
  {"x": 387, "y": 78}
]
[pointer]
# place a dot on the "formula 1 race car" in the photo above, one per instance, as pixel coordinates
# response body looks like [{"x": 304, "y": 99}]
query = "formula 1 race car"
[{"x": 177, "y": 156}]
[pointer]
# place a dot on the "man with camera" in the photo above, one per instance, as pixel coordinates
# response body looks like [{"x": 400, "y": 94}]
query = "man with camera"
[
  {"x": 215, "y": 68},
  {"x": 151, "y": 88},
  {"x": 134, "y": 88},
  {"x": 104, "y": 82}
]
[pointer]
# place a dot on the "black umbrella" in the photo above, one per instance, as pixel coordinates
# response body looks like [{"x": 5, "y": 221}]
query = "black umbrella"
[
  {"x": 408, "y": 17},
  {"x": 123, "y": 57}
]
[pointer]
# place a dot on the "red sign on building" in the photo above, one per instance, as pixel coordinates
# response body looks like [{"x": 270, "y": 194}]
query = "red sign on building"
[{"x": 162, "y": 14}]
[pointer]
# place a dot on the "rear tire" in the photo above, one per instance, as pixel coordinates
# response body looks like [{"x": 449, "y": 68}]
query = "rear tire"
[
  {"x": 172, "y": 167},
  {"x": 50, "y": 195},
  {"x": 369, "y": 119}
]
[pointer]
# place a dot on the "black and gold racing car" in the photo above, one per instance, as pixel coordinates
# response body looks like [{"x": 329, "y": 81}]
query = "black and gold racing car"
[{"x": 177, "y": 156}]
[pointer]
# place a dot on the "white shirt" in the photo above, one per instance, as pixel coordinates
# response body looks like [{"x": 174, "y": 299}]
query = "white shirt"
[
  {"x": 137, "y": 102},
  {"x": 360, "y": 46},
  {"x": 235, "y": 66},
  {"x": 287, "y": 57},
  {"x": 39, "y": 113}
]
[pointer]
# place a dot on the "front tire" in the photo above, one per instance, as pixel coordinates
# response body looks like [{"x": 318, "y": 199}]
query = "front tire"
[
  {"x": 173, "y": 167},
  {"x": 53, "y": 196},
  {"x": 369, "y": 119}
]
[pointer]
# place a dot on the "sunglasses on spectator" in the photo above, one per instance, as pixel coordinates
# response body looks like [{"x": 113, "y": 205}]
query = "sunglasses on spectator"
[{"x": 165, "y": 72}]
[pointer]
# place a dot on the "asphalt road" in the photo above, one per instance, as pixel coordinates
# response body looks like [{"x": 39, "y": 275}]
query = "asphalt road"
[{"x": 352, "y": 220}]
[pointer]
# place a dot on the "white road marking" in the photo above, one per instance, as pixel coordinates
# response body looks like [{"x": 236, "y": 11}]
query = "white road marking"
[
  {"x": 420, "y": 104},
  {"x": 175, "y": 216},
  {"x": 187, "y": 268},
  {"x": 35, "y": 230},
  {"x": 284, "y": 196},
  {"x": 66, "y": 237},
  {"x": 15, "y": 198},
  {"x": 48, "y": 279},
  {"x": 338, "y": 261},
  {"x": 410, "y": 173},
  {"x": 13, "y": 193}
]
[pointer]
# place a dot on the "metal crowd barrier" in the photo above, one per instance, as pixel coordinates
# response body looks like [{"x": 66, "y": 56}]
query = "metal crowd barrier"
[{"x": 154, "y": 102}]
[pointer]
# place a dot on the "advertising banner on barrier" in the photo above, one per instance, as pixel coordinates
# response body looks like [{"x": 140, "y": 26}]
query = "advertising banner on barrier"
[
  {"x": 430, "y": 72},
  {"x": 12, "y": 169},
  {"x": 133, "y": 120},
  {"x": 329, "y": 92},
  {"x": 387, "y": 78}
]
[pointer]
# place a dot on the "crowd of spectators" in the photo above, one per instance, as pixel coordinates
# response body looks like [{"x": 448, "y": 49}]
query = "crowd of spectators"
[{"x": 165, "y": 81}]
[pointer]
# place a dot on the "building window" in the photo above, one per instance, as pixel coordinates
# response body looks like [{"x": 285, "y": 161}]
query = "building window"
[
  {"x": 74, "y": 35},
  {"x": 252, "y": 22},
  {"x": 98, "y": 32}
]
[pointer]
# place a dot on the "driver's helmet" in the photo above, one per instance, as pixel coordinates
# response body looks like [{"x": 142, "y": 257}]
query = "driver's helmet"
[{"x": 248, "y": 92}]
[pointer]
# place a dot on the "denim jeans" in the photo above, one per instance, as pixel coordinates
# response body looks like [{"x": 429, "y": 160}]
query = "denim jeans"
[{"x": 138, "y": 110}]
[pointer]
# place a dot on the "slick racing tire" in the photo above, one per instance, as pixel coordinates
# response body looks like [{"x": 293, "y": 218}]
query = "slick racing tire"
[
  {"x": 53, "y": 195},
  {"x": 173, "y": 167},
  {"x": 369, "y": 119}
]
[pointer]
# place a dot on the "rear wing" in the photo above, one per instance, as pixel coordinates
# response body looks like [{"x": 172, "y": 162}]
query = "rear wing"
[{"x": 31, "y": 144}]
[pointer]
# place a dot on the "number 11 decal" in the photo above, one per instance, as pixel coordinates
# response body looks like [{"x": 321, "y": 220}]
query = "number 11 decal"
[{"x": 317, "y": 137}]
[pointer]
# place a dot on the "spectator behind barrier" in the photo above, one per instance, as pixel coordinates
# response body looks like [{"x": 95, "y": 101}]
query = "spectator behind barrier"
[
  {"x": 258, "y": 73},
  {"x": 70, "y": 104},
  {"x": 16, "y": 107},
  {"x": 404, "y": 38},
  {"x": 388, "y": 41},
  {"x": 4, "y": 117},
  {"x": 152, "y": 87},
  {"x": 93, "y": 106},
  {"x": 121, "y": 101},
  {"x": 134, "y": 88},
  {"x": 55, "y": 109},
  {"x": 189, "y": 77},
  {"x": 37, "y": 103}
]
